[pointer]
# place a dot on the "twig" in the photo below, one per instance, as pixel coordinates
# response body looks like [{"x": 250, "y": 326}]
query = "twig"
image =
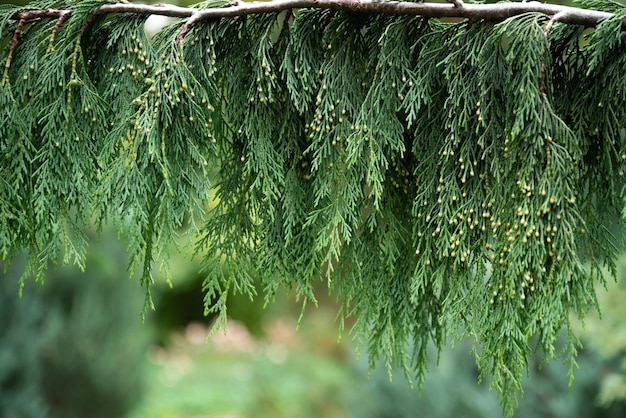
[
  {"x": 188, "y": 24},
  {"x": 16, "y": 37},
  {"x": 546, "y": 31},
  {"x": 556, "y": 18},
  {"x": 492, "y": 12},
  {"x": 60, "y": 21},
  {"x": 283, "y": 27}
]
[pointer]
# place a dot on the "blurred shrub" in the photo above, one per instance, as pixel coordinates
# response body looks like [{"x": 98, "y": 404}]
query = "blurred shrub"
[
  {"x": 20, "y": 345},
  {"x": 605, "y": 335},
  {"x": 451, "y": 390},
  {"x": 75, "y": 346}
]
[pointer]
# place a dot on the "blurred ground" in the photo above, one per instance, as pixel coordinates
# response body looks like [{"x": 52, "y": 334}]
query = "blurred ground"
[{"x": 237, "y": 374}]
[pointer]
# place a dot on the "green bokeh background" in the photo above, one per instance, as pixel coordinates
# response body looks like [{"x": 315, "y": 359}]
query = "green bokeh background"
[{"x": 75, "y": 347}]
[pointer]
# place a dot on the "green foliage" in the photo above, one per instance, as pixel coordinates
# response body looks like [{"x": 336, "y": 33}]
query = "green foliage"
[{"x": 445, "y": 179}]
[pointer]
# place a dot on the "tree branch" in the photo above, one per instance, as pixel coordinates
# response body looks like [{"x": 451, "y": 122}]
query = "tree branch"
[{"x": 492, "y": 12}]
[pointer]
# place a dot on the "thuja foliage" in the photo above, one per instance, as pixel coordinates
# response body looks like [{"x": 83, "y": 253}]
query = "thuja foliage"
[{"x": 446, "y": 179}]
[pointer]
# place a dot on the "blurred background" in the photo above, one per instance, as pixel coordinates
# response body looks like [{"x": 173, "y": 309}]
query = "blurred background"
[{"x": 75, "y": 346}]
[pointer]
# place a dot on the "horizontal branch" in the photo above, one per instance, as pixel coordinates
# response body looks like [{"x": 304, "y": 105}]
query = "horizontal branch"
[{"x": 473, "y": 12}]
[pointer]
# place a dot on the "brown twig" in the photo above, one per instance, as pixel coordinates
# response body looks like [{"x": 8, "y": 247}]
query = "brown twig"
[
  {"x": 62, "y": 18},
  {"x": 555, "y": 18},
  {"x": 187, "y": 26},
  {"x": 60, "y": 21},
  {"x": 542, "y": 80},
  {"x": 16, "y": 36},
  {"x": 285, "y": 24},
  {"x": 86, "y": 25},
  {"x": 546, "y": 31}
]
